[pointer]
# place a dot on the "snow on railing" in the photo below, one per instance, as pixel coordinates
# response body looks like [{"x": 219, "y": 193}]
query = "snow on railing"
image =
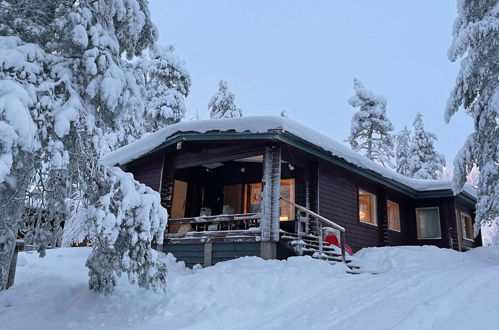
[{"x": 323, "y": 220}]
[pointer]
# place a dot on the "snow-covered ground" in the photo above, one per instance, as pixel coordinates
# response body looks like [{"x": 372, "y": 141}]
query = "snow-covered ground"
[{"x": 414, "y": 288}]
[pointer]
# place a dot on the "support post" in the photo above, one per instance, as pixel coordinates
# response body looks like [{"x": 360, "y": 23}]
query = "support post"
[
  {"x": 167, "y": 181},
  {"x": 208, "y": 254},
  {"x": 13, "y": 264},
  {"x": 268, "y": 250},
  {"x": 271, "y": 193}
]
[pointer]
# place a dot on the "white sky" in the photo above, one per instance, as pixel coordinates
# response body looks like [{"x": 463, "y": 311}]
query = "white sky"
[{"x": 302, "y": 56}]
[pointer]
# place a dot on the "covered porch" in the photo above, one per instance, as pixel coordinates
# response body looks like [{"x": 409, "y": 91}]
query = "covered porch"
[{"x": 238, "y": 198}]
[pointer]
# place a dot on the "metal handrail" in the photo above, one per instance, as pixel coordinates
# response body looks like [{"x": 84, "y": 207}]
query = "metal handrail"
[{"x": 324, "y": 220}]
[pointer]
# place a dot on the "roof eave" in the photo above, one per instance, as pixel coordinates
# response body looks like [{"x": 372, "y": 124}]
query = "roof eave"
[{"x": 300, "y": 143}]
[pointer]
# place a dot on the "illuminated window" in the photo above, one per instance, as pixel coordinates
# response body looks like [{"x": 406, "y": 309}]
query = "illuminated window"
[
  {"x": 393, "y": 211},
  {"x": 232, "y": 199},
  {"x": 467, "y": 226},
  {"x": 288, "y": 192},
  {"x": 252, "y": 198},
  {"x": 428, "y": 223},
  {"x": 367, "y": 207}
]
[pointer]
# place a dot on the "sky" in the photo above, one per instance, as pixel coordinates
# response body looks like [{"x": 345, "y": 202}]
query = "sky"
[{"x": 302, "y": 56}]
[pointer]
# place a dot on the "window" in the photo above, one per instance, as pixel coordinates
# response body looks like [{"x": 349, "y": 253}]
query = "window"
[
  {"x": 232, "y": 199},
  {"x": 367, "y": 207},
  {"x": 288, "y": 192},
  {"x": 179, "y": 199},
  {"x": 467, "y": 226},
  {"x": 428, "y": 223},
  {"x": 252, "y": 198},
  {"x": 393, "y": 211}
]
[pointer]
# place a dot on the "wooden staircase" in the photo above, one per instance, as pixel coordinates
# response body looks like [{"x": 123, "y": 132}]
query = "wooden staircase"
[
  {"x": 308, "y": 240},
  {"x": 309, "y": 244}
]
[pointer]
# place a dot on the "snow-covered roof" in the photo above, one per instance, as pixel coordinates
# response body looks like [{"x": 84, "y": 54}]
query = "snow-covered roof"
[{"x": 265, "y": 124}]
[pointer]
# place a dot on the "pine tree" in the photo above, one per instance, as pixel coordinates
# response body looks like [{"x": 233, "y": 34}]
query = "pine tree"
[
  {"x": 69, "y": 93},
  {"x": 370, "y": 128},
  {"x": 222, "y": 104},
  {"x": 402, "y": 151},
  {"x": 476, "y": 42},
  {"x": 424, "y": 161}
]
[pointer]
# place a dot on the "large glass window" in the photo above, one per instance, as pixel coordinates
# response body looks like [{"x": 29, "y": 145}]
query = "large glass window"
[
  {"x": 393, "y": 211},
  {"x": 367, "y": 207},
  {"x": 253, "y": 197},
  {"x": 179, "y": 199},
  {"x": 288, "y": 192},
  {"x": 428, "y": 223},
  {"x": 232, "y": 199},
  {"x": 467, "y": 226},
  {"x": 247, "y": 198}
]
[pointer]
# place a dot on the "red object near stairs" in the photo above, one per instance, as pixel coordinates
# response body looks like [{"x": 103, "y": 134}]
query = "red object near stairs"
[{"x": 333, "y": 240}]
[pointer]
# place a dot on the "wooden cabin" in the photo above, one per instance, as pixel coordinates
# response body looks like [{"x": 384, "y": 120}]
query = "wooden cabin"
[{"x": 270, "y": 187}]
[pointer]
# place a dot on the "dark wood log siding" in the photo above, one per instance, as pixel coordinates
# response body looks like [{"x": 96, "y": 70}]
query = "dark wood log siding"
[
  {"x": 147, "y": 170},
  {"x": 461, "y": 205},
  {"x": 407, "y": 220},
  {"x": 338, "y": 201},
  {"x": 333, "y": 191}
]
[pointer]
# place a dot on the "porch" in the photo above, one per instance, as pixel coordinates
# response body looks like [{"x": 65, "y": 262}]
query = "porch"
[{"x": 227, "y": 201}]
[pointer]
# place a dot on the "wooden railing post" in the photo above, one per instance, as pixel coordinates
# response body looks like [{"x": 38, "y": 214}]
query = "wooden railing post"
[
  {"x": 321, "y": 241},
  {"x": 321, "y": 221},
  {"x": 342, "y": 243}
]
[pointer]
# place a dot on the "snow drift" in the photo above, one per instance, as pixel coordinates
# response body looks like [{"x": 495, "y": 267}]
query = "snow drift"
[{"x": 415, "y": 288}]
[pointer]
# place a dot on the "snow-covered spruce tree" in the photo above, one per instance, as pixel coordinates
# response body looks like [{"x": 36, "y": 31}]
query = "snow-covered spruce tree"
[
  {"x": 476, "y": 41},
  {"x": 36, "y": 107},
  {"x": 424, "y": 161},
  {"x": 402, "y": 151},
  {"x": 167, "y": 83},
  {"x": 126, "y": 217},
  {"x": 84, "y": 100},
  {"x": 370, "y": 128},
  {"x": 222, "y": 104}
]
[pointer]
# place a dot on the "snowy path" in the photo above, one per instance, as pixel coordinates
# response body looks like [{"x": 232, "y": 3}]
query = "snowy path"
[{"x": 415, "y": 288}]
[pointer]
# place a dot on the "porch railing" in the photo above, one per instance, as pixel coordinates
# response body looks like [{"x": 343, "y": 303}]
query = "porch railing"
[
  {"x": 323, "y": 220},
  {"x": 221, "y": 222}
]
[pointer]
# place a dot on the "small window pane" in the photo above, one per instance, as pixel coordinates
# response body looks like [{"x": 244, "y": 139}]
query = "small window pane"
[
  {"x": 367, "y": 207},
  {"x": 428, "y": 223},
  {"x": 393, "y": 216},
  {"x": 467, "y": 226}
]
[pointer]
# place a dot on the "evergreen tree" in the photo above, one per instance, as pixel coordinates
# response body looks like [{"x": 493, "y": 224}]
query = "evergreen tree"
[
  {"x": 222, "y": 104},
  {"x": 68, "y": 94},
  {"x": 167, "y": 83},
  {"x": 370, "y": 128},
  {"x": 424, "y": 161},
  {"x": 402, "y": 151},
  {"x": 476, "y": 41}
]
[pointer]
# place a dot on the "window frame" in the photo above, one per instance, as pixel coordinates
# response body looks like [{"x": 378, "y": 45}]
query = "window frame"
[
  {"x": 292, "y": 208},
  {"x": 398, "y": 213},
  {"x": 439, "y": 223},
  {"x": 375, "y": 207},
  {"x": 463, "y": 229}
]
